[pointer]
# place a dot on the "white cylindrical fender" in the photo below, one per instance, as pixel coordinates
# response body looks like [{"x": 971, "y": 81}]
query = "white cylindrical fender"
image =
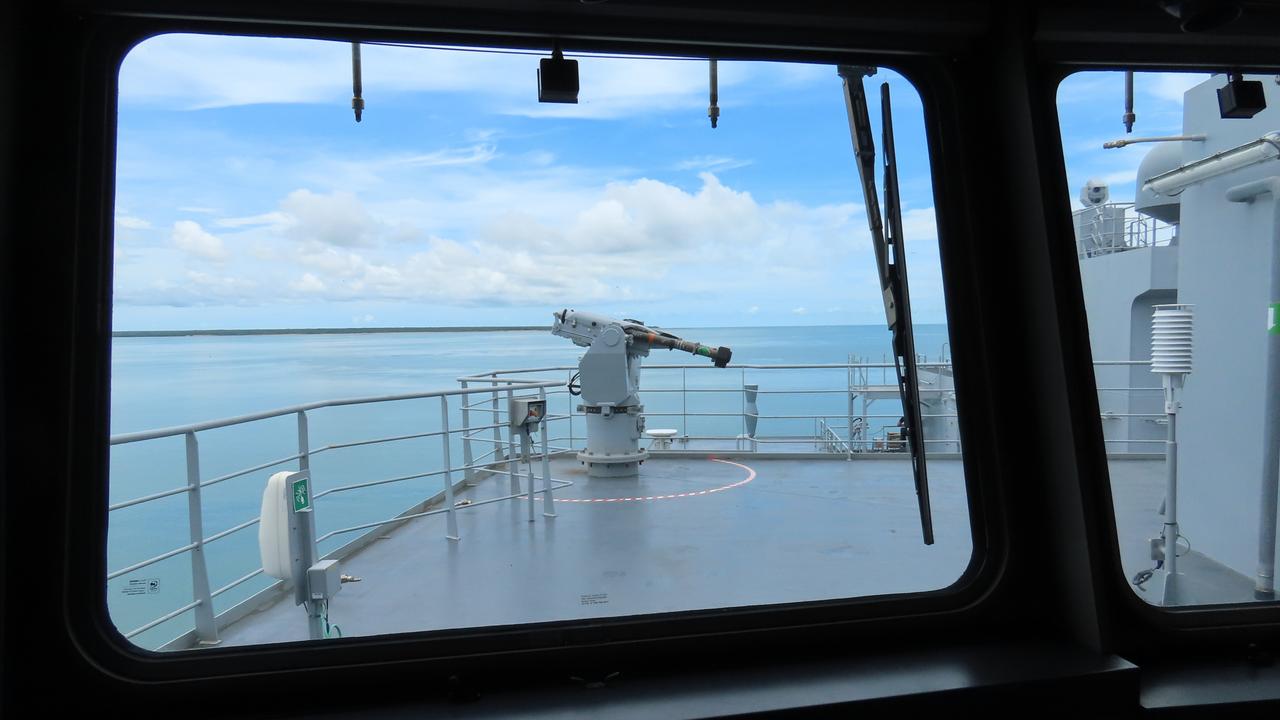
[{"x": 273, "y": 527}]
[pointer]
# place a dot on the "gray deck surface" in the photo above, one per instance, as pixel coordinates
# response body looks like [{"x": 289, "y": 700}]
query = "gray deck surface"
[
  {"x": 800, "y": 530},
  {"x": 1137, "y": 488}
]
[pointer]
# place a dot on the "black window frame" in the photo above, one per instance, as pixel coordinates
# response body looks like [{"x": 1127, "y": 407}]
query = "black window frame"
[
  {"x": 948, "y": 605},
  {"x": 1148, "y": 625},
  {"x": 992, "y": 67}
]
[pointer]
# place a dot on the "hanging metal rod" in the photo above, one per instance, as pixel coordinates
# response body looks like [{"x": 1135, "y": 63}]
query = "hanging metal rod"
[
  {"x": 713, "y": 111},
  {"x": 357, "y": 89}
]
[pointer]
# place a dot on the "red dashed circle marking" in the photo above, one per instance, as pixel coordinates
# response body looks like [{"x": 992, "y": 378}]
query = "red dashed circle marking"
[{"x": 751, "y": 475}]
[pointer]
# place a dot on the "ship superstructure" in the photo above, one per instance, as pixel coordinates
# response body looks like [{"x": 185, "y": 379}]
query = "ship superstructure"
[{"x": 1201, "y": 234}]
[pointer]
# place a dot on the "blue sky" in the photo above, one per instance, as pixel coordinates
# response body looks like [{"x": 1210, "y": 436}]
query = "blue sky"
[
  {"x": 247, "y": 196},
  {"x": 1090, "y": 108}
]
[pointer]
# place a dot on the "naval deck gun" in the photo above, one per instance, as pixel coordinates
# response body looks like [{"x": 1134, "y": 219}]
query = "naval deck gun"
[{"x": 609, "y": 374}]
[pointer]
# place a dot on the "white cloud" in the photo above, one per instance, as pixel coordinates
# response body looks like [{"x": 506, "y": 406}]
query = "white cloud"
[
  {"x": 1090, "y": 87},
  {"x": 920, "y": 224},
  {"x": 308, "y": 283},
  {"x": 190, "y": 288},
  {"x": 799, "y": 311},
  {"x": 338, "y": 218},
  {"x": 564, "y": 242},
  {"x": 132, "y": 223},
  {"x": 207, "y": 71},
  {"x": 404, "y": 231},
  {"x": 190, "y": 237},
  {"x": 222, "y": 285},
  {"x": 264, "y": 252},
  {"x": 1116, "y": 177},
  {"x": 1170, "y": 87},
  {"x": 271, "y": 218},
  {"x": 449, "y": 156},
  {"x": 539, "y": 158},
  {"x": 480, "y": 135},
  {"x": 711, "y": 163}
]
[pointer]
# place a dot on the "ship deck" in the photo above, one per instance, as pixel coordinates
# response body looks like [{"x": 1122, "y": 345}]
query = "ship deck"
[{"x": 692, "y": 531}]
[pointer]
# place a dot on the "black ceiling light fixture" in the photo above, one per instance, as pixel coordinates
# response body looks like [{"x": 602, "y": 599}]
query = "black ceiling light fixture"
[
  {"x": 557, "y": 78},
  {"x": 1201, "y": 15},
  {"x": 1241, "y": 98}
]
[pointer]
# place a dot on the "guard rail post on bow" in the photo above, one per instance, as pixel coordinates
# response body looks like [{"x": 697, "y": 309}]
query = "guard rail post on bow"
[{"x": 206, "y": 627}]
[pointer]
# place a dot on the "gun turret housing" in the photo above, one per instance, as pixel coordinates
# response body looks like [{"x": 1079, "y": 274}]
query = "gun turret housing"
[{"x": 610, "y": 379}]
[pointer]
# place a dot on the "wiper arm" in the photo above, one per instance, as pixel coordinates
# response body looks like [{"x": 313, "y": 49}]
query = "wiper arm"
[{"x": 891, "y": 264}]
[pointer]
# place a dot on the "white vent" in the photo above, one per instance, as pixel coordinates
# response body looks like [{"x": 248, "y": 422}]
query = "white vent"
[{"x": 1171, "y": 339}]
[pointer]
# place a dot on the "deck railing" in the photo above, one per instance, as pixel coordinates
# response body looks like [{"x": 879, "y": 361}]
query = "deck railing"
[
  {"x": 206, "y": 623},
  {"x": 486, "y": 449},
  {"x": 1109, "y": 229}
]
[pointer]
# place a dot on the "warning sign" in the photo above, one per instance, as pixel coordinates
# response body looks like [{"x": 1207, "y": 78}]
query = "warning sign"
[{"x": 141, "y": 586}]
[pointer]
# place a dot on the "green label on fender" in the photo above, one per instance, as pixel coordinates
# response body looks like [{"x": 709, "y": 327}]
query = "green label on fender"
[
  {"x": 1273, "y": 319},
  {"x": 301, "y": 495}
]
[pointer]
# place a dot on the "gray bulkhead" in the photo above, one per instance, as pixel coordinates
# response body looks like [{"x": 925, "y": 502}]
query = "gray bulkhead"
[{"x": 1219, "y": 262}]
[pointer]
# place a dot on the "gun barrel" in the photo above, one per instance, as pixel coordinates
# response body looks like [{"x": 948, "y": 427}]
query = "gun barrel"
[{"x": 719, "y": 355}]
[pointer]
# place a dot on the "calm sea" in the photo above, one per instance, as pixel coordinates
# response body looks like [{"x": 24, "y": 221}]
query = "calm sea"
[{"x": 163, "y": 382}]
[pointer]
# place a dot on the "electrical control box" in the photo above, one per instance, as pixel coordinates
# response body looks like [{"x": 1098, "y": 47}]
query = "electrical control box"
[
  {"x": 527, "y": 412},
  {"x": 324, "y": 579}
]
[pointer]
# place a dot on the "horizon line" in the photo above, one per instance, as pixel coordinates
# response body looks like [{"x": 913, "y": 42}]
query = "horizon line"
[{"x": 408, "y": 329}]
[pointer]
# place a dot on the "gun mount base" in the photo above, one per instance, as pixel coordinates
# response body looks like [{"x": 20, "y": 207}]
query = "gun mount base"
[{"x": 602, "y": 465}]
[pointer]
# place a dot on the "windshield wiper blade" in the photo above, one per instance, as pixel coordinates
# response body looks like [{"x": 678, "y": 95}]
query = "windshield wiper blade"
[{"x": 891, "y": 264}]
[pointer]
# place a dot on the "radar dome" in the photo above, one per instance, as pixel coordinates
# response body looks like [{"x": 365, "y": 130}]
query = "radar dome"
[
  {"x": 1163, "y": 157},
  {"x": 1094, "y": 192}
]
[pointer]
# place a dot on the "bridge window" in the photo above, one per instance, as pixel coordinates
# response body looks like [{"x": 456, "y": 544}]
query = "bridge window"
[
  {"x": 343, "y": 276},
  {"x": 1176, "y": 235}
]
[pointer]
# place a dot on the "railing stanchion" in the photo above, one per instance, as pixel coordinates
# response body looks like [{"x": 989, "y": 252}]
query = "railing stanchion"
[
  {"x": 526, "y": 442},
  {"x": 307, "y": 536},
  {"x": 548, "y": 502},
  {"x": 684, "y": 404},
  {"x": 468, "y": 474},
  {"x": 304, "y": 444},
  {"x": 497, "y": 433},
  {"x": 849, "y": 411},
  {"x": 512, "y": 455},
  {"x": 866, "y": 429},
  {"x": 206, "y": 626},
  {"x": 452, "y": 532}
]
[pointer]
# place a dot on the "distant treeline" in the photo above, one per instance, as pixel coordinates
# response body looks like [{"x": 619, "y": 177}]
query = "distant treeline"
[{"x": 322, "y": 331}]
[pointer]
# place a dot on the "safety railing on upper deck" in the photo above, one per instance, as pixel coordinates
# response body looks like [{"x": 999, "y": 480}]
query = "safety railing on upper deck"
[
  {"x": 738, "y": 410},
  {"x": 738, "y": 417},
  {"x": 1108, "y": 229}
]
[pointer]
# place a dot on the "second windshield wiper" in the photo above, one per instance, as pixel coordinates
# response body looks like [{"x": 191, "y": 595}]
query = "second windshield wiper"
[{"x": 891, "y": 265}]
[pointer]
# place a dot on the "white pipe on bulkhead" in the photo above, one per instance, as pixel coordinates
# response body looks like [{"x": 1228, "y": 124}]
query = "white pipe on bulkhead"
[
  {"x": 1165, "y": 138},
  {"x": 1264, "y": 587},
  {"x": 1253, "y": 152}
]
